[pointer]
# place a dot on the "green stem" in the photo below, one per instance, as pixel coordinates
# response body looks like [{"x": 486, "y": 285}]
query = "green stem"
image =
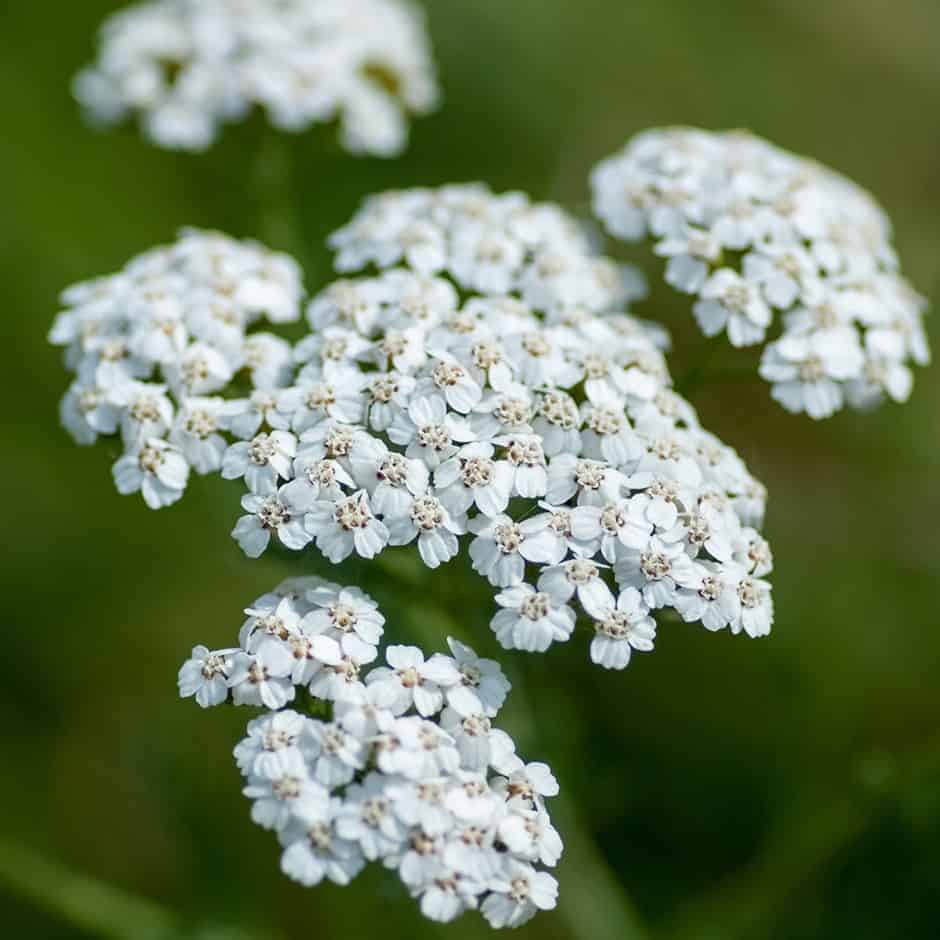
[
  {"x": 83, "y": 902},
  {"x": 97, "y": 908}
]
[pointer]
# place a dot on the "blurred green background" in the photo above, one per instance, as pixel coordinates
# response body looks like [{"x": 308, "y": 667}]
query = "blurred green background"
[{"x": 787, "y": 789}]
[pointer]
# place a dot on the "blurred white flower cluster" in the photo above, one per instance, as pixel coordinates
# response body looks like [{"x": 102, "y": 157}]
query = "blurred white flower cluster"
[
  {"x": 426, "y": 410},
  {"x": 773, "y": 245},
  {"x": 401, "y": 765},
  {"x": 185, "y": 67},
  {"x": 487, "y": 244}
]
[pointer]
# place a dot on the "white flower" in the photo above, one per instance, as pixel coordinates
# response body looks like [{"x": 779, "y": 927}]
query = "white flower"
[
  {"x": 807, "y": 369},
  {"x": 261, "y": 461},
  {"x": 527, "y": 460},
  {"x": 355, "y": 709},
  {"x": 518, "y": 894},
  {"x": 429, "y": 431},
  {"x": 433, "y": 526},
  {"x": 502, "y": 547},
  {"x": 410, "y": 680},
  {"x": 271, "y": 617},
  {"x": 622, "y": 629},
  {"x": 482, "y": 687},
  {"x": 286, "y": 793},
  {"x": 392, "y": 480},
  {"x": 196, "y": 434},
  {"x": 268, "y": 358},
  {"x": 366, "y": 817},
  {"x": 581, "y": 577},
  {"x": 471, "y": 734},
  {"x": 340, "y": 755},
  {"x": 757, "y": 610},
  {"x": 281, "y": 514},
  {"x": 447, "y": 896},
  {"x": 346, "y": 526},
  {"x": 262, "y": 678},
  {"x": 691, "y": 255},
  {"x": 732, "y": 303},
  {"x": 531, "y": 835},
  {"x": 318, "y": 479},
  {"x": 528, "y": 784},
  {"x": 421, "y": 803},
  {"x": 450, "y": 379},
  {"x": 156, "y": 469},
  {"x": 619, "y": 523},
  {"x": 417, "y": 749},
  {"x": 201, "y": 370},
  {"x": 714, "y": 601},
  {"x": 340, "y": 398},
  {"x": 314, "y": 851},
  {"x": 146, "y": 410},
  {"x": 86, "y": 412},
  {"x": 474, "y": 477},
  {"x": 558, "y": 424},
  {"x": 266, "y": 736},
  {"x": 782, "y": 269},
  {"x": 531, "y": 620},
  {"x": 594, "y": 482},
  {"x": 341, "y": 663},
  {"x": 344, "y": 610},
  {"x": 245, "y": 416},
  {"x": 205, "y": 676},
  {"x": 657, "y": 570}
]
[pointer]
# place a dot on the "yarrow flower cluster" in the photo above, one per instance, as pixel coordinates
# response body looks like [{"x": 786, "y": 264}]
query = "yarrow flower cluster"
[
  {"x": 185, "y": 67},
  {"x": 773, "y": 245},
  {"x": 487, "y": 244},
  {"x": 548, "y": 438},
  {"x": 399, "y": 764},
  {"x": 151, "y": 346}
]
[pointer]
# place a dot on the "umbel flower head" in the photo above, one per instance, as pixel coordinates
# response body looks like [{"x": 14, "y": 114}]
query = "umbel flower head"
[
  {"x": 153, "y": 345},
  {"x": 186, "y": 67},
  {"x": 773, "y": 247},
  {"x": 531, "y": 421},
  {"x": 398, "y": 764}
]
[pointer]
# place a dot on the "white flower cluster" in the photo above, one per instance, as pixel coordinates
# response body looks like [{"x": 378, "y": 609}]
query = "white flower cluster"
[
  {"x": 757, "y": 234},
  {"x": 548, "y": 437},
  {"x": 151, "y": 345},
  {"x": 487, "y": 244},
  {"x": 185, "y": 67},
  {"x": 401, "y": 765}
]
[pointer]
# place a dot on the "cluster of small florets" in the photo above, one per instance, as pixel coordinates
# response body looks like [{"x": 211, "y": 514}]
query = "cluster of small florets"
[
  {"x": 185, "y": 67},
  {"x": 151, "y": 345},
  {"x": 549, "y": 438},
  {"x": 487, "y": 244},
  {"x": 760, "y": 235},
  {"x": 399, "y": 765}
]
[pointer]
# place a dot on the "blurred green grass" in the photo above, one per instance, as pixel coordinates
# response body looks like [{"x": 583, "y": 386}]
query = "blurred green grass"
[{"x": 684, "y": 768}]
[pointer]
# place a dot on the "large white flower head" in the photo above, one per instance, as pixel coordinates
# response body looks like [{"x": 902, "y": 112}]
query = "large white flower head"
[
  {"x": 421, "y": 411},
  {"x": 773, "y": 246},
  {"x": 400, "y": 765},
  {"x": 186, "y": 67}
]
